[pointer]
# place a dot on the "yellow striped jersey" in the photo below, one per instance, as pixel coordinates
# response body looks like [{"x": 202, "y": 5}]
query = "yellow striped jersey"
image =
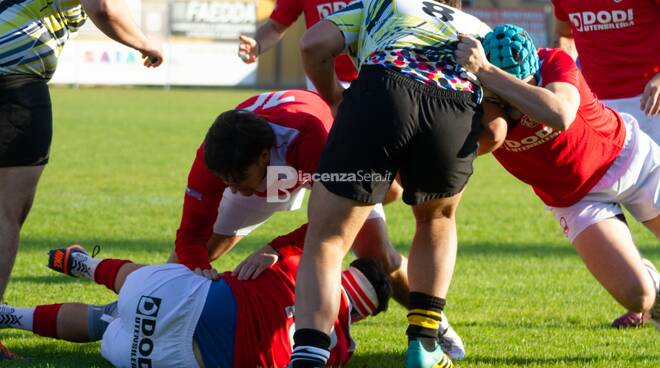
[
  {"x": 33, "y": 33},
  {"x": 415, "y": 37}
]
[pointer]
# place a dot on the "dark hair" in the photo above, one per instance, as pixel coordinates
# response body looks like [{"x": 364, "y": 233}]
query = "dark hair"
[
  {"x": 378, "y": 279},
  {"x": 235, "y": 141}
]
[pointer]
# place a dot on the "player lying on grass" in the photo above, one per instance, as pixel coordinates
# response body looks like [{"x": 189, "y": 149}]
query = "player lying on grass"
[
  {"x": 227, "y": 193},
  {"x": 583, "y": 159},
  {"x": 168, "y": 316}
]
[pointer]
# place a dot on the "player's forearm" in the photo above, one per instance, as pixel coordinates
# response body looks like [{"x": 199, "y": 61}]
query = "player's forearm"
[
  {"x": 219, "y": 245},
  {"x": 191, "y": 239},
  {"x": 537, "y": 103},
  {"x": 268, "y": 35},
  {"x": 192, "y": 253},
  {"x": 113, "y": 18}
]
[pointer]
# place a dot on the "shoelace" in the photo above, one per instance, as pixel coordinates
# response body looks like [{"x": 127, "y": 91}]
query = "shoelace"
[{"x": 96, "y": 250}]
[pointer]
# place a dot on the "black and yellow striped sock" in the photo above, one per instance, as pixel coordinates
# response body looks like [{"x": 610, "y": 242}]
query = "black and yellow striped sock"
[{"x": 424, "y": 315}]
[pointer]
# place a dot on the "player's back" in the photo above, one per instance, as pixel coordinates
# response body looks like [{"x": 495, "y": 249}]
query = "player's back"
[
  {"x": 263, "y": 307},
  {"x": 265, "y": 323},
  {"x": 381, "y": 25},
  {"x": 296, "y": 109},
  {"x": 532, "y": 150}
]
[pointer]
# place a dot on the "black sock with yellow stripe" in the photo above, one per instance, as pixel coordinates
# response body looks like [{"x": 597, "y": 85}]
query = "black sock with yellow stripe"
[{"x": 424, "y": 315}]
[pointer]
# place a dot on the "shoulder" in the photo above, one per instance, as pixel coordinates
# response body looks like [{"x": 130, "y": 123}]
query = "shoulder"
[{"x": 555, "y": 59}]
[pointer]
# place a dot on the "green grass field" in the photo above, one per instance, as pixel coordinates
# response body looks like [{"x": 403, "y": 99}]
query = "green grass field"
[{"x": 520, "y": 297}]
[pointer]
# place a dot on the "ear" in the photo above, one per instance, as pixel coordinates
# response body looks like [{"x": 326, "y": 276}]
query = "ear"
[{"x": 264, "y": 158}]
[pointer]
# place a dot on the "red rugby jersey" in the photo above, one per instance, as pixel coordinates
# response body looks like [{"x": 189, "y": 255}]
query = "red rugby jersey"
[
  {"x": 265, "y": 307},
  {"x": 563, "y": 166},
  {"x": 301, "y": 121},
  {"x": 618, "y": 42},
  {"x": 287, "y": 11}
]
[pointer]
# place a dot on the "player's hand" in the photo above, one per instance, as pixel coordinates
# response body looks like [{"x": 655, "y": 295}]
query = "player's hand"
[
  {"x": 248, "y": 49},
  {"x": 256, "y": 263},
  {"x": 152, "y": 53},
  {"x": 470, "y": 54},
  {"x": 650, "y": 102},
  {"x": 209, "y": 273}
]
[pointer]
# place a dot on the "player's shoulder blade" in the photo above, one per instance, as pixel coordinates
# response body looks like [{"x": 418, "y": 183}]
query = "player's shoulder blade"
[{"x": 272, "y": 100}]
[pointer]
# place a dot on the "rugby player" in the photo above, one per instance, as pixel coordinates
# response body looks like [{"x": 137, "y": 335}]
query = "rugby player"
[
  {"x": 32, "y": 36},
  {"x": 583, "y": 159},
  {"x": 411, "y": 110},
  {"x": 618, "y": 44},
  {"x": 284, "y": 14},
  {"x": 226, "y": 197},
  {"x": 167, "y": 316}
]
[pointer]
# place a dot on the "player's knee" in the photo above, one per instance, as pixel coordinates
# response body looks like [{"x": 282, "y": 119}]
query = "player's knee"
[
  {"x": 647, "y": 299},
  {"x": 98, "y": 319},
  {"x": 639, "y": 299},
  {"x": 390, "y": 260}
]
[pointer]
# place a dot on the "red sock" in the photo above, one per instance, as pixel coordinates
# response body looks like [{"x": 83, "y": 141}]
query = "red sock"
[
  {"x": 106, "y": 272},
  {"x": 44, "y": 322}
]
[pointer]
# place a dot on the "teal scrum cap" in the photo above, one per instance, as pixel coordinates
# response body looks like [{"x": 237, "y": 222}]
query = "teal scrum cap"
[{"x": 511, "y": 48}]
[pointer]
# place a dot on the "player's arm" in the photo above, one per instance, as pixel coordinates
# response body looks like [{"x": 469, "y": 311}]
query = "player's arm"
[
  {"x": 266, "y": 37},
  {"x": 319, "y": 47},
  {"x": 564, "y": 38},
  {"x": 200, "y": 210},
  {"x": 287, "y": 245},
  {"x": 495, "y": 128},
  {"x": 555, "y": 105},
  {"x": 114, "y": 20}
]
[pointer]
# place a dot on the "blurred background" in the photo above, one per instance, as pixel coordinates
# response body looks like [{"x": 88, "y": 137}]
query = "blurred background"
[{"x": 200, "y": 38}]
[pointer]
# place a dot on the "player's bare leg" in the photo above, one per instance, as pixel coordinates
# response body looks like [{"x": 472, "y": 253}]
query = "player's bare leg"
[
  {"x": 430, "y": 269},
  {"x": 372, "y": 242},
  {"x": 74, "y": 322},
  {"x": 654, "y": 226},
  {"x": 607, "y": 246},
  {"x": 636, "y": 319},
  {"x": 334, "y": 222},
  {"x": 18, "y": 186}
]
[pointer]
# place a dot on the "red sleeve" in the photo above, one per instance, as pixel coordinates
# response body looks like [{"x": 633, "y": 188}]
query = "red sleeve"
[
  {"x": 200, "y": 210},
  {"x": 559, "y": 12},
  {"x": 305, "y": 153},
  {"x": 291, "y": 244},
  {"x": 558, "y": 66},
  {"x": 286, "y": 11}
]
